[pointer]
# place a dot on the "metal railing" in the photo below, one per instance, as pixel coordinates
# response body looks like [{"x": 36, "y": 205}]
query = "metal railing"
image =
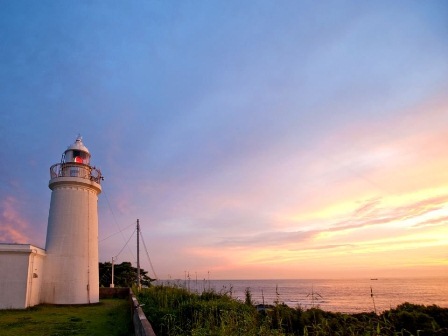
[{"x": 76, "y": 170}]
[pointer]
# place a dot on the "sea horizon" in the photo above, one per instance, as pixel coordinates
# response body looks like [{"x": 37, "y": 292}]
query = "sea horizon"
[
  {"x": 346, "y": 295},
  {"x": 373, "y": 278}
]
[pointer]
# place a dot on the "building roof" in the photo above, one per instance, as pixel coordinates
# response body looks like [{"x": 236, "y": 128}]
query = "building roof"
[
  {"x": 23, "y": 248},
  {"x": 78, "y": 145}
]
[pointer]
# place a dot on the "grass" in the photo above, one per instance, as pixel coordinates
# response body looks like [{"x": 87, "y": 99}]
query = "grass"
[
  {"x": 173, "y": 311},
  {"x": 110, "y": 317}
]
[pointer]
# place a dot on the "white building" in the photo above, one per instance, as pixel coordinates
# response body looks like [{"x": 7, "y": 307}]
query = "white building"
[
  {"x": 66, "y": 272},
  {"x": 21, "y": 268}
]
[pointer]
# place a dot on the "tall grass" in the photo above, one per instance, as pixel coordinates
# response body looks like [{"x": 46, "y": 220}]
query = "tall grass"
[{"x": 173, "y": 311}]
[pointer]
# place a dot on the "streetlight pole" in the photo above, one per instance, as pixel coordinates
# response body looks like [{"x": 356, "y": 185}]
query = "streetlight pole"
[{"x": 112, "y": 284}]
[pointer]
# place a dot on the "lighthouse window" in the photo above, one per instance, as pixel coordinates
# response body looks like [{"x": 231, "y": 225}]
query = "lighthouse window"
[{"x": 78, "y": 156}]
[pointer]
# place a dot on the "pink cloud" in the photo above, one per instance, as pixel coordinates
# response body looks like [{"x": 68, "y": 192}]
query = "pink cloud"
[
  {"x": 12, "y": 225},
  {"x": 367, "y": 207},
  {"x": 433, "y": 222},
  {"x": 371, "y": 213}
]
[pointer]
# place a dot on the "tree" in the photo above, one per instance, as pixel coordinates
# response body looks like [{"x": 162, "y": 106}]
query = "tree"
[{"x": 124, "y": 275}]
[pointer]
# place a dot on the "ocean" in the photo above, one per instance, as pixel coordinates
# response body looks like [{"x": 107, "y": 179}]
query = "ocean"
[{"x": 347, "y": 296}]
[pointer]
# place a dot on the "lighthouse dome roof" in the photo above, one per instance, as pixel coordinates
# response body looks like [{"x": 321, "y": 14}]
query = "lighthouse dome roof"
[{"x": 78, "y": 145}]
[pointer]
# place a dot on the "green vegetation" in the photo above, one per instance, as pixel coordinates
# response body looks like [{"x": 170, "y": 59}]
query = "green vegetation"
[
  {"x": 174, "y": 311},
  {"x": 110, "y": 317},
  {"x": 124, "y": 275}
]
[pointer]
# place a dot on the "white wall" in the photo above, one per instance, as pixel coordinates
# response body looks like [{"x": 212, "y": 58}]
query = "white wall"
[
  {"x": 18, "y": 288},
  {"x": 35, "y": 277},
  {"x": 71, "y": 268}
]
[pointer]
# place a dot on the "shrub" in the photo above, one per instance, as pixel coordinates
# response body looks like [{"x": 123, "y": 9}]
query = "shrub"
[{"x": 174, "y": 311}]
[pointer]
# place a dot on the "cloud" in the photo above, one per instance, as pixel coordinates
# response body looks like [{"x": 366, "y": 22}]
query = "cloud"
[
  {"x": 432, "y": 222},
  {"x": 366, "y": 207},
  {"x": 267, "y": 239},
  {"x": 12, "y": 225},
  {"x": 374, "y": 212},
  {"x": 377, "y": 213}
]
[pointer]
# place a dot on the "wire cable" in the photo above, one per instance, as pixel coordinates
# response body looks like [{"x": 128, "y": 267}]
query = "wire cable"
[
  {"x": 147, "y": 254},
  {"x": 113, "y": 234},
  {"x": 125, "y": 244},
  {"x": 115, "y": 220}
]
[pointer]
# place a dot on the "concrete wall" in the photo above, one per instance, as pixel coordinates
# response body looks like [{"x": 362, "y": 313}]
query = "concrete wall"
[
  {"x": 114, "y": 293},
  {"x": 142, "y": 327},
  {"x": 20, "y": 277}
]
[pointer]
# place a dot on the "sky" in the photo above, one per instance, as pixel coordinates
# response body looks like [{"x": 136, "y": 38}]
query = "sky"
[{"x": 252, "y": 139}]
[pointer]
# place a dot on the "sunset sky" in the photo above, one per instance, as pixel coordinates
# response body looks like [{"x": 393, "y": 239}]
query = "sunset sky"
[{"x": 253, "y": 139}]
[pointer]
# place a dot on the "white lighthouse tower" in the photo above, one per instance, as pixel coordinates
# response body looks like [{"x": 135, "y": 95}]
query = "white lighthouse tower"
[{"x": 71, "y": 265}]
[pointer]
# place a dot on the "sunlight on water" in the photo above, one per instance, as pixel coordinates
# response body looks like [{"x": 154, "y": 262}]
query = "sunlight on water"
[{"x": 348, "y": 296}]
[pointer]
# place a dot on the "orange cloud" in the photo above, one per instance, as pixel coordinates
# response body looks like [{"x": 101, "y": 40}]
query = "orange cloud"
[
  {"x": 408, "y": 227},
  {"x": 12, "y": 225},
  {"x": 374, "y": 213}
]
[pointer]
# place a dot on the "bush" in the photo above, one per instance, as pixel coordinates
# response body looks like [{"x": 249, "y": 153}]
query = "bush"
[
  {"x": 416, "y": 319},
  {"x": 174, "y": 311}
]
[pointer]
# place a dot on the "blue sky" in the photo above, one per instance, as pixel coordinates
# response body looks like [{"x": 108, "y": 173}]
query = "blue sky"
[{"x": 256, "y": 139}]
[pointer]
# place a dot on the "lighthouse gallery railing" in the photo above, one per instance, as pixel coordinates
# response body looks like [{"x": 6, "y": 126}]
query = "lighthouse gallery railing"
[{"x": 75, "y": 170}]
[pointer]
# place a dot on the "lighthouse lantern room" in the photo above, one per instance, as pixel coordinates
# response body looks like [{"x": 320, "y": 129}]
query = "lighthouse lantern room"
[{"x": 77, "y": 153}]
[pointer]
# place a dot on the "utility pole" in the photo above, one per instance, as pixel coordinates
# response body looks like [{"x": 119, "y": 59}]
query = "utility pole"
[
  {"x": 138, "y": 254},
  {"x": 112, "y": 284}
]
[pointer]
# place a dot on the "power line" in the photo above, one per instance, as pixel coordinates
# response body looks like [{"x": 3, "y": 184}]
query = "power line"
[
  {"x": 147, "y": 254},
  {"x": 113, "y": 234},
  {"x": 125, "y": 244},
  {"x": 115, "y": 220}
]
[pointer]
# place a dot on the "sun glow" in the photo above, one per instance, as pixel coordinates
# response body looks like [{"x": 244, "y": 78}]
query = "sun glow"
[{"x": 401, "y": 225}]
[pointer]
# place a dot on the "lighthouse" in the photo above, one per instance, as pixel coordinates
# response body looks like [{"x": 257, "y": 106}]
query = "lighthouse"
[{"x": 71, "y": 265}]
